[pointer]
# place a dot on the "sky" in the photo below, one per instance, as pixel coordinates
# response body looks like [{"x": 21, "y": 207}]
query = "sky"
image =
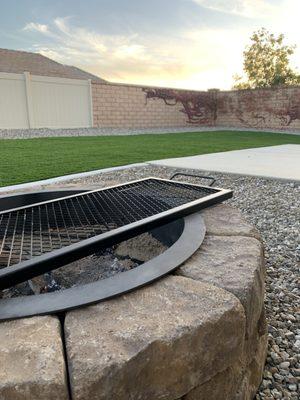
[{"x": 193, "y": 44}]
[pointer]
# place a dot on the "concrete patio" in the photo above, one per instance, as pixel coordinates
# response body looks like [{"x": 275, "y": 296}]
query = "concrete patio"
[{"x": 280, "y": 162}]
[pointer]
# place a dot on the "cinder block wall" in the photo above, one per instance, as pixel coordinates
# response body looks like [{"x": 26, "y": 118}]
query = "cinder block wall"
[
  {"x": 261, "y": 108},
  {"x": 125, "y": 106}
]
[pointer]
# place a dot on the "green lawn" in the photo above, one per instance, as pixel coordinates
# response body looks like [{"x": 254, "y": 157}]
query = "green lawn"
[{"x": 35, "y": 159}]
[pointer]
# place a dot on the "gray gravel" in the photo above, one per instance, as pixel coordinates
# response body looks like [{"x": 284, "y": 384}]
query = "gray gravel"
[
  {"x": 46, "y": 132},
  {"x": 274, "y": 207}
]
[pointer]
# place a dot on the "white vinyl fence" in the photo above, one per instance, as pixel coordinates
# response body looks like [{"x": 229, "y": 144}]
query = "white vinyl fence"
[{"x": 31, "y": 101}]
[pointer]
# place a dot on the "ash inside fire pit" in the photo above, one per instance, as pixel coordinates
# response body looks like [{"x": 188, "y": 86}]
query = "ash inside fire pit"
[{"x": 101, "y": 265}]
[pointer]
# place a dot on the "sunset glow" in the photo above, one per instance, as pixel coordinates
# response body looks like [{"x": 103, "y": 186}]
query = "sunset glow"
[{"x": 195, "y": 44}]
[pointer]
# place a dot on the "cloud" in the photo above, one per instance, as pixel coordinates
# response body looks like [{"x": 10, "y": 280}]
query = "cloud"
[
  {"x": 85, "y": 46},
  {"x": 186, "y": 60},
  {"x": 198, "y": 58},
  {"x": 33, "y": 26},
  {"x": 244, "y": 8}
]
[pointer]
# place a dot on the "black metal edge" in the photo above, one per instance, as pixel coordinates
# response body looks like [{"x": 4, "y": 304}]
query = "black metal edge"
[
  {"x": 102, "y": 189},
  {"x": 56, "y": 302},
  {"x": 71, "y": 189},
  {"x": 18, "y": 198},
  {"x": 26, "y": 270}
]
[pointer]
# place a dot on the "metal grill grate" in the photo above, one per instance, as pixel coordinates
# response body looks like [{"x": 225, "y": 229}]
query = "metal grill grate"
[
  {"x": 38, "y": 238},
  {"x": 36, "y": 230}
]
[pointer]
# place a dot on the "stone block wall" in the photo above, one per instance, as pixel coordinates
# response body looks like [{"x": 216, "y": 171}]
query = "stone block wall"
[
  {"x": 122, "y": 106},
  {"x": 261, "y": 108},
  {"x": 129, "y": 106}
]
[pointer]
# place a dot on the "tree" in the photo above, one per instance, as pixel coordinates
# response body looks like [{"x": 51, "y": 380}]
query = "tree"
[{"x": 266, "y": 62}]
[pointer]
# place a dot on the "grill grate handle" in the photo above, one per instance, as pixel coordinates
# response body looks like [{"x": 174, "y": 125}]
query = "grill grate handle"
[{"x": 213, "y": 180}]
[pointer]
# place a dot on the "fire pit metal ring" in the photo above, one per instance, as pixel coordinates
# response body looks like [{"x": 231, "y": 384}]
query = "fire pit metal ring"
[{"x": 56, "y": 302}]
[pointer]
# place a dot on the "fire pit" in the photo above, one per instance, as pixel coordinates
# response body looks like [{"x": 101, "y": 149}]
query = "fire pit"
[
  {"x": 197, "y": 333},
  {"x": 38, "y": 238}
]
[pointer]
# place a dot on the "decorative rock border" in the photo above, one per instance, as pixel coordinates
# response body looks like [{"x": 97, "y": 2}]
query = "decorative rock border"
[
  {"x": 31, "y": 360},
  {"x": 200, "y": 334}
]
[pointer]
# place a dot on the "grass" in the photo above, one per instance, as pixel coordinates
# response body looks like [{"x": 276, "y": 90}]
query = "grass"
[{"x": 35, "y": 159}]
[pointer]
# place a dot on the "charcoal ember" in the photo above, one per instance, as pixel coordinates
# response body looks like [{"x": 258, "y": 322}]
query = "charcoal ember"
[
  {"x": 100, "y": 265},
  {"x": 22, "y": 289},
  {"x": 44, "y": 283},
  {"x": 92, "y": 268},
  {"x": 53, "y": 286}
]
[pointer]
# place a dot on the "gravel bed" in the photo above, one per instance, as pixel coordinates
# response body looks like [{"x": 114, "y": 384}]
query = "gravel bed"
[
  {"x": 46, "y": 132},
  {"x": 274, "y": 208}
]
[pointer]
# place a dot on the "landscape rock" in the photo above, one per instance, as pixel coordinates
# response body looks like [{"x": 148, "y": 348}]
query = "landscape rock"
[
  {"x": 32, "y": 364},
  {"x": 233, "y": 263},
  {"x": 224, "y": 220},
  {"x": 158, "y": 342},
  {"x": 224, "y": 382},
  {"x": 252, "y": 344},
  {"x": 252, "y": 373},
  {"x": 239, "y": 381}
]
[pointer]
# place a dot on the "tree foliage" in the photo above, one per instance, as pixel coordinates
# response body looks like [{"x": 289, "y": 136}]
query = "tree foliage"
[{"x": 266, "y": 62}]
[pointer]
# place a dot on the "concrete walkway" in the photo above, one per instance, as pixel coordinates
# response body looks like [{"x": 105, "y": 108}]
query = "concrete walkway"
[{"x": 281, "y": 162}]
